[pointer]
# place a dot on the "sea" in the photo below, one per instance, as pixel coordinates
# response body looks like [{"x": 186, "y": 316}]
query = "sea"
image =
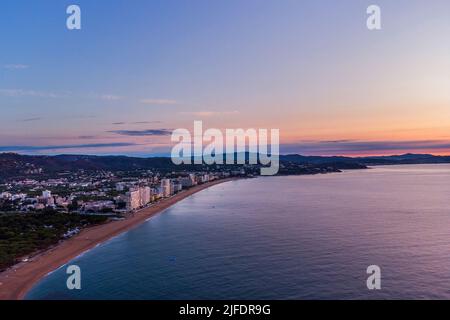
[{"x": 293, "y": 237}]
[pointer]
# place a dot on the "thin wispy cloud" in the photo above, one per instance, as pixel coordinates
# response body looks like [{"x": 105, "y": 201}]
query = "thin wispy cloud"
[
  {"x": 62, "y": 147},
  {"x": 158, "y": 101},
  {"x": 30, "y": 119},
  {"x": 49, "y": 94},
  {"x": 146, "y": 122},
  {"x": 210, "y": 113},
  {"x": 137, "y": 122},
  {"x": 143, "y": 133},
  {"x": 336, "y": 141},
  {"x": 29, "y": 93},
  {"x": 83, "y": 116},
  {"x": 109, "y": 97},
  {"x": 15, "y": 66}
]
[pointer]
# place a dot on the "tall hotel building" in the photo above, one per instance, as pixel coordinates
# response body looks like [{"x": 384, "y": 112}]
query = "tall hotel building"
[
  {"x": 166, "y": 187},
  {"x": 145, "y": 196},
  {"x": 133, "y": 200}
]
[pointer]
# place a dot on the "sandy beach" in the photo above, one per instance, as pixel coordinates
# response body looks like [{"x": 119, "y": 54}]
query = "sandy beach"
[{"x": 19, "y": 279}]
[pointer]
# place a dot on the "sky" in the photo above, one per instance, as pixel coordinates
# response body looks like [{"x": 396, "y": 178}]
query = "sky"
[{"x": 139, "y": 69}]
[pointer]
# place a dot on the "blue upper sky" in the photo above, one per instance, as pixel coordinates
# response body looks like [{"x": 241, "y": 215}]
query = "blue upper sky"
[{"x": 140, "y": 68}]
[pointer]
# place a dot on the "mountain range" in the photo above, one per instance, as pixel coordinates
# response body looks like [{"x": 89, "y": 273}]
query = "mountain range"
[{"x": 13, "y": 164}]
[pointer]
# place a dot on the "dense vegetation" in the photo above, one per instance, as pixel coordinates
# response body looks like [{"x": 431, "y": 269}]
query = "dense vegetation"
[{"x": 23, "y": 234}]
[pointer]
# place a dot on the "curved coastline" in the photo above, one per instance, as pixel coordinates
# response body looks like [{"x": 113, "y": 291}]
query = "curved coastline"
[{"x": 19, "y": 279}]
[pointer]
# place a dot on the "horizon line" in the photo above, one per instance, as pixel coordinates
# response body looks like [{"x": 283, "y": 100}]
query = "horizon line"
[{"x": 168, "y": 156}]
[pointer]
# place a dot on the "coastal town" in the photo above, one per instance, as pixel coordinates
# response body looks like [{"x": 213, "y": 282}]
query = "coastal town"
[
  {"x": 116, "y": 185},
  {"x": 45, "y": 201},
  {"x": 69, "y": 215},
  {"x": 100, "y": 192}
]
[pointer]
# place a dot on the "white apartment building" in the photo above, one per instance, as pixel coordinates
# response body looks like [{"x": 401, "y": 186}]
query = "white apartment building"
[
  {"x": 145, "y": 196},
  {"x": 176, "y": 186},
  {"x": 186, "y": 182},
  {"x": 133, "y": 200},
  {"x": 166, "y": 188},
  {"x": 6, "y": 195},
  {"x": 46, "y": 194}
]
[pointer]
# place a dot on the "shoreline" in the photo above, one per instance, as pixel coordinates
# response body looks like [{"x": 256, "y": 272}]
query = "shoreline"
[{"x": 16, "y": 282}]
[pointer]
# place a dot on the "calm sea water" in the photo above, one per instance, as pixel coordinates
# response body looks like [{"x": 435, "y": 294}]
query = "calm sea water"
[{"x": 306, "y": 237}]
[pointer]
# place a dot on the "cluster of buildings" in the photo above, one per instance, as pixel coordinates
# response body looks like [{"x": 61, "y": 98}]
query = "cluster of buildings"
[
  {"x": 27, "y": 203},
  {"x": 100, "y": 193},
  {"x": 141, "y": 196},
  {"x": 138, "y": 198}
]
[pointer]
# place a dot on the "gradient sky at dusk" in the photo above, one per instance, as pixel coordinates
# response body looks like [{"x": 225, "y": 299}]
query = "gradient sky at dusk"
[{"x": 139, "y": 69}]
